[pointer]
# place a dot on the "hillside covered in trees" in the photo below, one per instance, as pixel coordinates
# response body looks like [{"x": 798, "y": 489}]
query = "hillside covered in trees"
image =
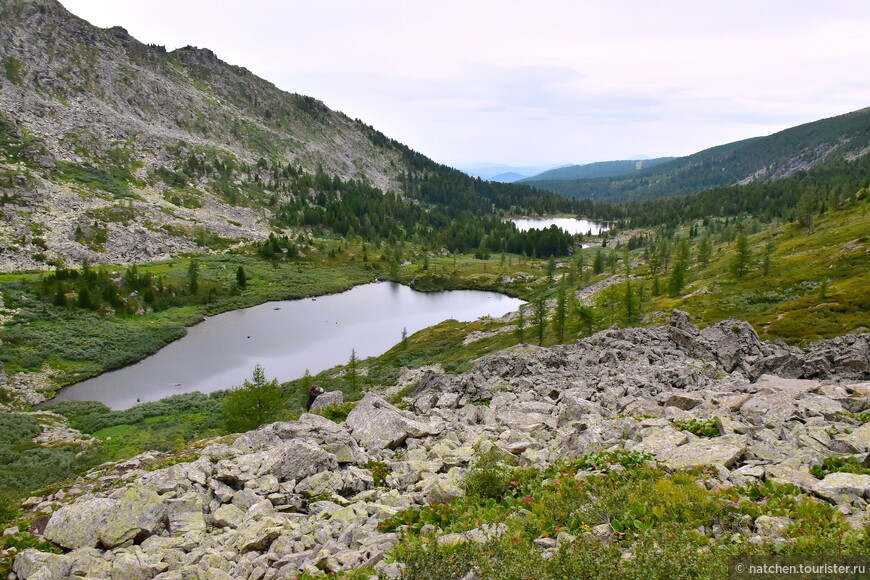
[{"x": 758, "y": 160}]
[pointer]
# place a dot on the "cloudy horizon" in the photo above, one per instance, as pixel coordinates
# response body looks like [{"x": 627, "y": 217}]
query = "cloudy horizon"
[{"x": 497, "y": 82}]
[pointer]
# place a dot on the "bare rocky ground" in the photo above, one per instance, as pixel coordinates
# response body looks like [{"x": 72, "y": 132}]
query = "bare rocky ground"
[{"x": 297, "y": 496}]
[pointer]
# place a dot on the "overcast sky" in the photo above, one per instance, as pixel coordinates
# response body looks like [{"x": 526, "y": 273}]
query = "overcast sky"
[{"x": 543, "y": 83}]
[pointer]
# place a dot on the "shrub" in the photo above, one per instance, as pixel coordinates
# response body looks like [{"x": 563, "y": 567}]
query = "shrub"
[
  {"x": 605, "y": 460},
  {"x": 839, "y": 464},
  {"x": 700, "y": 427},
  {"x": 488, "y": 477},
  {"x": 336, "y": 413},
  {"x": 379, "y": 470},
  {"x": 254, "y": 403}
]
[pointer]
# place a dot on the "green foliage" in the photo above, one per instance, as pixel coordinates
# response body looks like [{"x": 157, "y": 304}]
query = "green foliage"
[
  {"x": 336, "y": 413},
  {"x": 114, "y": 180},
  {"x": 380, "y": 471},
  {"x": 668, "y": 523},
  {"x": 489, "y": 477},
  {"x": 742, "y": 258},
  {"x": 17, "y": 429},
  {"x": 605, "y": 460},
  {"x": 14, "y": 68},
  {"x": 700, "y": 427},
  {"x": 254, "y": 403},
  {"x": 839, "y": 464},
  {"x": 26, "y": 466}
]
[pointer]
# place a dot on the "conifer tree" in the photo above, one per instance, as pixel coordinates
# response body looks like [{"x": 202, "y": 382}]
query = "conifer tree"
[
  {"x": 539, "y": 318},
  {"x": 561, "y": 314},
  {"x": 521, "y": 324},
  {"x": 742, "y": 257},
  {"x": 254, "y": 403}
]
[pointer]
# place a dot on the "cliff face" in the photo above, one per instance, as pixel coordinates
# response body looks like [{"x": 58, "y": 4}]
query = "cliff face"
[
  {"x": 302, "y": 496},
  {"x": 97, "y": 127}
]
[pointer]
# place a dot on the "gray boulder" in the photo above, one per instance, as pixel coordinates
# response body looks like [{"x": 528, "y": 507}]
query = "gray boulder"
[
  {"x": 287, "y": 460},
  {"x": 376, "y": 424},
  {"x": 329, "y": 399},
  {"x": 31, "y": 562},
  {"x": 134, "y": 512},
  {"x": 725, "y": 450},
  {"x": 843, "y": 487}
]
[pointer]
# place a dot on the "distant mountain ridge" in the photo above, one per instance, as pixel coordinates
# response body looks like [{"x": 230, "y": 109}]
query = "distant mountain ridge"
[
  {"x": 760, "y": 159},
  {"x": 597, "y": 169}
]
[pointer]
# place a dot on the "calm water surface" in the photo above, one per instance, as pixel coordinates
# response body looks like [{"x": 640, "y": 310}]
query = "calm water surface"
[
  {"x": 286, "y": 338},
  {"x": 571, "y": 225}
]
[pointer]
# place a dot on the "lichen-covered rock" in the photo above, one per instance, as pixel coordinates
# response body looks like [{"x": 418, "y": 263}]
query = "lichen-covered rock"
[
  {"x": 843, "y": 487},
  {"x": 772, "y": 526},
  {"x": 725, "y": 450},
  {"x": 328, "y": 399},
  {"x": 30, "y": 562},
  {"x": 376, "y": 424},
  {"x": 288, "y": 460},
  {"x": 134, "y": 512}
]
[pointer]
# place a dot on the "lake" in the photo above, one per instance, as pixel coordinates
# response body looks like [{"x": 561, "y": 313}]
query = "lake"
[
  {"x": 571, "y": 225},
  {"x": 286, "y": 338}
]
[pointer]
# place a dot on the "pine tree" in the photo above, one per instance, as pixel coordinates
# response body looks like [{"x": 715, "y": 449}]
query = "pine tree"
[
  {"x": 60, "y": 295},
  {"x": 352, "y": 376},
  {"x": 588, "y": 318},
  {"x": 742, "y": 257},
  {"x": 705, "y": 251},
  {"x": 521, "y": 324},
  {"x": 241, "y": 278},
  {"x": 539, "y": 318},
  {"x": 630, "y": 304},
  {"x": 254, "y": 403},
  {"x": 193, "y": 276},
  {"x": 561, "y": 314}
]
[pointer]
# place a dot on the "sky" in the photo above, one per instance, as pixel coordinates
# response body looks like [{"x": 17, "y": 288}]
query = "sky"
[{"x": 545, "y": 83}]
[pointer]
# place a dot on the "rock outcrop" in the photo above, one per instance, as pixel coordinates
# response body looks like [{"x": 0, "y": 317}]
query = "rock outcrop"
[{"x": 300, "y": 496}]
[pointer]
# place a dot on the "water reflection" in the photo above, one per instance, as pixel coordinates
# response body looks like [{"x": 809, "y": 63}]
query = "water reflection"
[{"x": 286, "y": 338}]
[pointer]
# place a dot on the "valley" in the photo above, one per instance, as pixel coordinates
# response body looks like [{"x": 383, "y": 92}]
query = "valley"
[{"x": 707, "y": 348}]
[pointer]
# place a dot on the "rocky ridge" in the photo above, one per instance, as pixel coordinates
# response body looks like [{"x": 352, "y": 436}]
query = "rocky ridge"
[
  {"x": 302, "y": 496},
  {"x": 76, "y": 98}
]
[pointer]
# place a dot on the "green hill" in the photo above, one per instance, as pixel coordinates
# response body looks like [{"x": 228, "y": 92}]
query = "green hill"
[
  {"x": 596, "y": 170},
  {"x": 761, "y": 159}
]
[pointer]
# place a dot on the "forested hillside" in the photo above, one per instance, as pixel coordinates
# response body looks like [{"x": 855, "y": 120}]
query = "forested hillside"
[
  {"x": 758, "y": 160},
  {"x": 825, "y": 186},
  {"x": 595, "y": 170}
]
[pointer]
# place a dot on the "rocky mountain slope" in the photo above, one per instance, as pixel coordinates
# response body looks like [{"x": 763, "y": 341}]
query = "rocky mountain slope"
[
  {"x": 762, "y": 159},
  {"x": 305, "y": 496},
  {"x": 118, "y": 151}
]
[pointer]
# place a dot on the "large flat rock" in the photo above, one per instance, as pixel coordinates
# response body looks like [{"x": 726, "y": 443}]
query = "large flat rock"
[{"x": 725, "y": 450}]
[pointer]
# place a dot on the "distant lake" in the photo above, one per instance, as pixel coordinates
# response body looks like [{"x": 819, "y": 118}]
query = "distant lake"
[
  {"x": 286, "y": 338},
  {"x": 571, "y": 225}
]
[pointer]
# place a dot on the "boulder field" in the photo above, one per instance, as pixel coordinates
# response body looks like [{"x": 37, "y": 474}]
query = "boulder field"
[{"x": 307, "y": 495}]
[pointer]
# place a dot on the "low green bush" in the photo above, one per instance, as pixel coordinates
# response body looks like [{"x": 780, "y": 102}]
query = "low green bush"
[
  {"x": 839, "y": 464},
  {"x": 336, "y": 413},
  {"x": 700, "y": 427},
  {"x": 380, "y": 471}
]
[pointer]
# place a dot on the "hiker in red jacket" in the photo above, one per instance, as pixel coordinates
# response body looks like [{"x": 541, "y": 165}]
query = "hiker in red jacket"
[{"x": 313, "y": 392}]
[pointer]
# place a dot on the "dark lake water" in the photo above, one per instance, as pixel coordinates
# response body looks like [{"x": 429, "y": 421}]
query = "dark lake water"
[
  {"x": 286, "y": 338},
  {"x": 571, "y": 225}
]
